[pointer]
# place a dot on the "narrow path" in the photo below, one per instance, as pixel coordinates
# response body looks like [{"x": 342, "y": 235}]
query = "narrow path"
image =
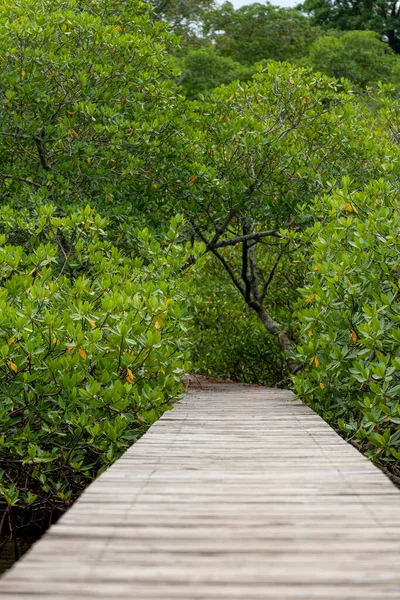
[{"x": 238, "y": 493}]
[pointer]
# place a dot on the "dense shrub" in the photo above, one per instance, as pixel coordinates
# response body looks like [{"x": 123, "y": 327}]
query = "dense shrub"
[
  {"x": 350, "y": 318},
  {"x": 85, "y": 92},
  {"x": 92, "y": 350}
]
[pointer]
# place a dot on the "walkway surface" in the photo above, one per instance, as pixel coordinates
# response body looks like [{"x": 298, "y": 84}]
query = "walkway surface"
[{"x": 236, "y": 493}]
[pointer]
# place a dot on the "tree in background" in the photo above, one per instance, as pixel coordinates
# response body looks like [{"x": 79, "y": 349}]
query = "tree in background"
[
  {"x": 204, "y": 69},
  {"x": 259, "y": 31},
  {"x": 184, "y": 16},
  {"x": 382, "y": 16},
  {"x": 360, "y": 56},
  {"x": 256, "y": 151}
]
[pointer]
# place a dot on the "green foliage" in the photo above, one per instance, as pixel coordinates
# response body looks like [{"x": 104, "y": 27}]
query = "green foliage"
[
  {"x": 184, "y": 16},
  {"x": 357, "y": 55},
  {"x": 94, "y": 332},
  {"x": 382, "y": 16},
  {"x": 230, "y": 342},
  {"x": 262, "y": 147},
  {"x": 253, "y": 152},
  {"x": 260, "y": 31},
  {"x": 350, "y": 317},
  {"x": 93, "y": 348},
  {"x": 85, "y": 103},
  {"x": 203, "y": 70}
]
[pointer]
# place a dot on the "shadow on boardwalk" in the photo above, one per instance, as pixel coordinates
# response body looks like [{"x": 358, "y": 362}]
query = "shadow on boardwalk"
[{"x": 236, "y": 493}]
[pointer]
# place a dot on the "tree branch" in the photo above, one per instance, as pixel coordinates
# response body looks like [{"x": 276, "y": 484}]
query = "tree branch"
[
  {"x": 254, "y": 273},
  {"x": 220, "y": 230},
  {"x": 41, "y": 151},
  {"x": 35, "y": 185},
  {"x": 245, "y": 261},
  {"x": 244, "y": 238},
  {"x": 271, "y": 276}
]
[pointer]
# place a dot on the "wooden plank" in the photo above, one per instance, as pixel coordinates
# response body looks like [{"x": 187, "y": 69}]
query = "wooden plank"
[{"x": 238, "y": 493}]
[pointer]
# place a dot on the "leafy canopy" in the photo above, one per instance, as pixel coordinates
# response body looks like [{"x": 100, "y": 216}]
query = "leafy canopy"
[
  {"x": 86, "y": 96},
  {"x": 259, "y": 31},
  {"x": 203, "y": 70},
  {"x": 382, "y": 16},
  {"x": 253, "y": 153},
  {"x": 357, "y": 55}
]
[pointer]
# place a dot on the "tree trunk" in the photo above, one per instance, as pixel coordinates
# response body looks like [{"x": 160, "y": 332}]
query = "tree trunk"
[
  {"x": 394, "y": 41},
  {"x": 276, "y": 329}
]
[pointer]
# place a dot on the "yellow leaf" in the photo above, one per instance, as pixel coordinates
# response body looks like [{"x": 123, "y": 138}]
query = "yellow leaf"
[
  {"x": 350, "y": 208},
  {"x": 192, "y": 180},
  {"x": 82, "y": 353},
  {"x": 13, "y": 366},
  {"x": 316, "y": 362},
  {"x": 69, "y": 348},
  {"x": 321, "y": 385},
  {"x": 73, "y": 132},
  {"x": 131, "y": 352},
  {"x": 353, "y": 336},
  {"x": 310, "y": 333},
  {"x": 157, "y": 325},
  {"x": 92, "y": 323},
  {"x": 316, "y": 268},
  {"x": 55, "y": 340},
  {"x": 11, "y": 340},
  {"x": 23, "y": 73},
  {"x": 31, "y": 272},
  {"x": 232, "y": 97},
  {"x": 310, "y": 298},
  {"x": 129, "y": 376},
  {"x": 304, "y": 100}
]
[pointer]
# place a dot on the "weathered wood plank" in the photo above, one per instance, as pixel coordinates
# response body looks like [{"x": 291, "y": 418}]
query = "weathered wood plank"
[{"x": 238, "y": 493}]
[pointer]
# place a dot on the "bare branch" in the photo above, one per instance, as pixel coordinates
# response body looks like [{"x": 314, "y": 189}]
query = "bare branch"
[
  {"x": 271, "y": 275},
  {"x": 41, "y": 151},
  {"x": 230, "y": 272},
  {"x": 6, "y": 176},
  {"x": 259, "y": 235},
  {"x": 220, "y": 230},
  {"x": 14, "y": 135},
  {"x": 245, "y": 278}
]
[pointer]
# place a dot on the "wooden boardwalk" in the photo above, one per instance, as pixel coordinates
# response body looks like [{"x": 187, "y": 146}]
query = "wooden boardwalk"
[{"x": 238, "y": 493}]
